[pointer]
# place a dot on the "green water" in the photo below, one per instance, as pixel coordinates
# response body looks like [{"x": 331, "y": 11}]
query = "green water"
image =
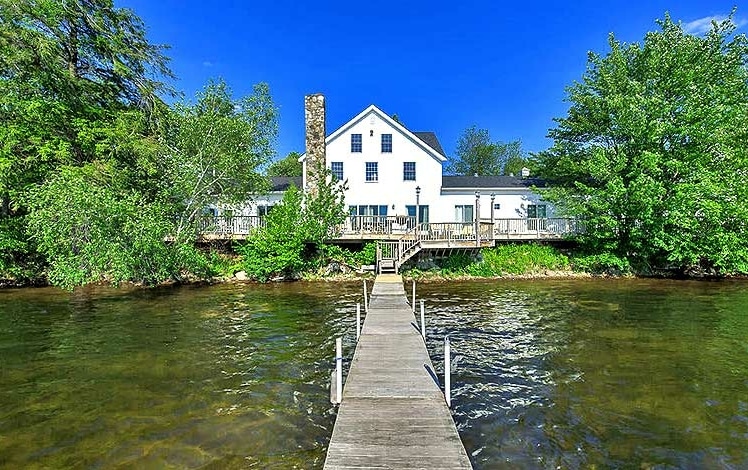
[
  {"x": 233, "y": 377},
  {"x": 546, "y": 374}
]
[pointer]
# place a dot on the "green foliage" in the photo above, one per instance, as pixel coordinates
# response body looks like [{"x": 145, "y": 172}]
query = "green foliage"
[
  {"x": 476, "y": 154},
  {"x": 90, "y": 231},
  {"x": 299, "y": 221},
  {"x": 212, "y": 151},
  {"x": 605, "y": 263},
  {"x": 519, "y": 259},
  {"x": 507, "y": 259},
  {"x": 277, "y": 249},
  {"x": 288, "y": 166},
  {"x": 366, "y": 256},
  {"x": 457, "y": 262},
  {"x": 652, "y": 152}
]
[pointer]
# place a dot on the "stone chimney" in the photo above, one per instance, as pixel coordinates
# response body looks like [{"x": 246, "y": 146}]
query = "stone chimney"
[{"x": 314, "y": 116}]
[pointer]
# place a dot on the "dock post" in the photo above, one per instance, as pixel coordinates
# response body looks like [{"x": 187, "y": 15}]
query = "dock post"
[
  {"x": 338, "y": 370},
  {"x": 447, "y": 373},
  {"x": 358, "y": 321},
  {"x": 423, "y": 323},
  {"x": 413, "y": 303},
  {"x": 366, "y": 299}
]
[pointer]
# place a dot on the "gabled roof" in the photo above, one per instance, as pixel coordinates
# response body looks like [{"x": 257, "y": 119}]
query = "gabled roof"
[
  {"x": 489, "y": 182},
  {"x": 430, "y": 139},
  {"x": 282, "y": 183},
  {"x": 426, "y": 141}
]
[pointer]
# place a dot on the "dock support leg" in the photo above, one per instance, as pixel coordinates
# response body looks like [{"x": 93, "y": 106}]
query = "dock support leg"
[
  {"x": 338, "y": 370},
  {"x": 358, "y": 321},
  {"x": 423, "y": 323},
  {"x": 413, "y": 303},
  {"x": 447, "y": 373},
  {"x": 366, "y": 299}
]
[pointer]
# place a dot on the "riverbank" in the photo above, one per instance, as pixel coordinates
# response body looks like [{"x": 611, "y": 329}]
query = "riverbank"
[{"x": 335, "y": 264}]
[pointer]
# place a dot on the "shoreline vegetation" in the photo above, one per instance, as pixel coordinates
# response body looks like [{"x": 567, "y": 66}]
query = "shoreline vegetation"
[{"x": 330, "y": 263}]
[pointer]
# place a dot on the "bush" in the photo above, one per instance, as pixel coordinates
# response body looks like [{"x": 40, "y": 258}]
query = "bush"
[
  {"x": 91, "y": 230},
  {"x": 521, "y": 259},
  {"x": 457, "y": 263},
  {"x": 604, "y": 263}
]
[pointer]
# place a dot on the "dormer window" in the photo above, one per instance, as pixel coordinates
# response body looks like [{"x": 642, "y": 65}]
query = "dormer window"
[
  {"x": 356, "y": 146},
  {"x": 386, "y": 143}
]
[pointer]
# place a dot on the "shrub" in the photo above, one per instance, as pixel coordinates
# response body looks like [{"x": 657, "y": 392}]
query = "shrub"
[
  {"x": 604, "y": 263},
  {"x": 457, "y": 263}
]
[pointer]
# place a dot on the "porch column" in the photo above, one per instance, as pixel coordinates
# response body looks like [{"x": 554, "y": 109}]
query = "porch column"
[{"x": 477, "y": 218}]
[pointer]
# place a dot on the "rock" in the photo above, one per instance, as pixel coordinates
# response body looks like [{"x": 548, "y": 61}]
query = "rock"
[{"x": 241, "y": 276}]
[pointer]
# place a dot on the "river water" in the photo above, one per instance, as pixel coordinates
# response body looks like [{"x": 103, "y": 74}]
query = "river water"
[{"x": 546, "y": 374}]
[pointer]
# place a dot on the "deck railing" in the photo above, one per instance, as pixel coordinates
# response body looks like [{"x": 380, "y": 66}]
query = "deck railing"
[
  {"x": 388, "y": 226},
  {"x": 548, "y": 227},
  {"x": 230, "y": 224},
  {"x": 377, "y": 224}
]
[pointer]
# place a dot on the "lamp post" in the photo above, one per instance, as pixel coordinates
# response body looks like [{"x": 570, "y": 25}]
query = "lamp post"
[
  {"x": 493, "y": 219},
  {"x": 477, "y": 218},
  {"x": 418, "y": 205}
]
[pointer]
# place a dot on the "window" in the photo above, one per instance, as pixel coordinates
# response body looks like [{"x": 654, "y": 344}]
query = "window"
[
  {"x": 368, "y": 216},
  {"x": 371, "y": 209},
  {"x": 356, "y": 146},
  {"x": 386, "y": 143},
  {"x": 464, "y": 213},
  {"x": 409, "y": 171},
  {"x": 423, "y": 213},
  {"x": 372, "y": 171},
  {"x": 337, "y": 170},
  {"x": 264, "y": 210},
  {"x": 497, "y": 206},
  {"x": 536, "y": 211}
]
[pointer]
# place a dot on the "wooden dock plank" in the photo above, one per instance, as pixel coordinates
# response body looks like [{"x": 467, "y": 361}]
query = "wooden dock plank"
[{"x": 393, "y": 414}]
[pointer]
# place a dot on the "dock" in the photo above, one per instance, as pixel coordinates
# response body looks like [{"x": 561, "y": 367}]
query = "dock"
[{"x": 393, "y": 413}]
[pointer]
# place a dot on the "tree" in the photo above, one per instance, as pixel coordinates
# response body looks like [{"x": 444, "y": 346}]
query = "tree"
[
  {"x": 67, "y": 70},
  {"x": 213, "y": 150},
  {"x": 299, "y": 221},
  {"x": 476, "y": 154},
  {"x": 288, "y": 166},
  {"x": 652, "y": 152}
]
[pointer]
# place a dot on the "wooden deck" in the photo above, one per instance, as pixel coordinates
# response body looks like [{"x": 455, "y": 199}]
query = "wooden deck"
[{"x": 393, "y": 413}]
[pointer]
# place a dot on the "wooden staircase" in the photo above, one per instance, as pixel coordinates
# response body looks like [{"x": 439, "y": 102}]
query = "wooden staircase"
[{"x": 391, "y": 254}]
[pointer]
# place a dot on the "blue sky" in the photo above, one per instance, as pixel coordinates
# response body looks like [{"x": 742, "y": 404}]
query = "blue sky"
[{"x": 440, "y": 66}]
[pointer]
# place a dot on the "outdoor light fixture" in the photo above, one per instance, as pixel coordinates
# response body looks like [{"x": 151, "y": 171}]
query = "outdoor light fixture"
[{"x": 418, "y": 190}]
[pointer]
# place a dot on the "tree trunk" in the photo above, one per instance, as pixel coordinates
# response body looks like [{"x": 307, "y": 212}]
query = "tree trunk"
[{"x": 5, "y": 205}]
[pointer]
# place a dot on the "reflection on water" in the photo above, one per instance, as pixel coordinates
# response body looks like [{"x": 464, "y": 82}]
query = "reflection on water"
[
  {"x": 547, "y": 374},
  {"x": 569, "y": 374},
  {"x": 228, "y": 376}
]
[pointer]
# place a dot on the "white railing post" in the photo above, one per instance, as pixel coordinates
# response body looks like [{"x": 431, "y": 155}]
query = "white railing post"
[
  {"x": 358, "y": 321},
  {"x": 366, "y": 299},
  {"x": 447, "y": 373},
  {"x": 413, "y": 303},
  {"x": 339, "y": 370},
  {"x": 423, "y": 323}
]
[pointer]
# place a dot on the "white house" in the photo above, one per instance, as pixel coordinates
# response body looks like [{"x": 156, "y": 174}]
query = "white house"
[
  {"x": 394, "y": 179},
  {"x": 391, "y": 170}
]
